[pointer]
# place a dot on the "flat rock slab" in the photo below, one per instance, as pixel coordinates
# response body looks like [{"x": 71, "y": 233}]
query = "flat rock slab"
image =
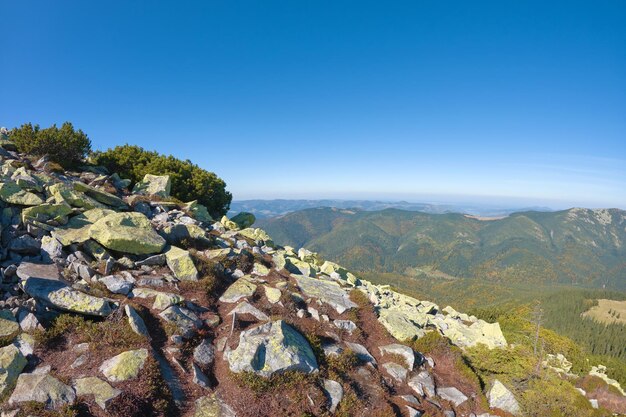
[
  {"x": 127, "y": 233},
  {"x": 42, "y": 388},
  {"x": 185, "y": 320},
  {"x": 423, "y": 384},
  {"x": 34, "y": 270},
  {"x": 9, "y": 327},
  {"x": 397, "y": 349},
  {"x": 241, "y": 288},
  {"x": 61, "y": 296},
  {"x": 334, "y": 392},
  {"x": 500, "y": 397},
  {"x": 328, "y": 292},
  {"x": 102, "y": 392},
  {"x": 272, "y": 347}
]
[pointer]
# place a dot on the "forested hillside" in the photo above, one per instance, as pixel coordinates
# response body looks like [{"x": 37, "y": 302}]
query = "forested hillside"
[{"x": 579, "y": 247}]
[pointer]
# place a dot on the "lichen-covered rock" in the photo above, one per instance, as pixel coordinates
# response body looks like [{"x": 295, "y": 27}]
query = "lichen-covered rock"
[
  {"x": 9, "y": 328},
  {"x": 47, "y": 212},
  {"x": 273, "y": 294},
  {"x": 59, "y": 295},
  {"x": 243, "y": 220},
  {"x": 500, "y": 397},
  {"x": 326, "y": 291},
  {"x": 181, "y": 264},
  {"x": 12, "y": 361},
  {"x": 270, "y": 348},
  {"x": 204, "y": 353},
  {"x": 102, "y": 392},
  {"x": 124, "y": 366},
  {"x": 423, "y": 384},
  {"x": 397, "y": 349},
  {"x": 600, "y": 372},
  {"x": 100, "y": 195},
  {"x": 77, "y": 228},
  {"x": 116, "y": 284},
  {"x": 11, "y": 193},
  {"x": 258, "y": 235},
  {"x": 42, "y": 388},
  {"x": 128, "y": 233},
  {"x": 184, "y": 319},
  {"x": 212, "y": 406},
  {"x": 198, "y": 211},
  {"x": 397, "y": 372},
  {"x": 158, "y": 185},
  {"x": 241, "y": 288}
]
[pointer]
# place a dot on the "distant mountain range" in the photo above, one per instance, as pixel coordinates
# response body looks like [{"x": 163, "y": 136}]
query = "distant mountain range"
[
  {"x": 577, "y": 246},
  {"x": 274, "y": 208}
]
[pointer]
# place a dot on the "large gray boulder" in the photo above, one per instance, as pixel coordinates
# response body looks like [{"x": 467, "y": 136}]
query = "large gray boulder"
[
  {"x": 158, "y": 185},
  {"x": 127, "y": 233},
  {"x": 270, "y": 348},
  {"x": 12, "y": 361}
]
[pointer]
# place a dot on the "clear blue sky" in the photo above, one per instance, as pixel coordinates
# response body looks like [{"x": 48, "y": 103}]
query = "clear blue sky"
[{"x": 455, "y": 99}]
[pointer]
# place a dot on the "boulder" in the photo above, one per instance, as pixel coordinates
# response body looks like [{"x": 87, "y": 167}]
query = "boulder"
[
  {"x": 11, "y": 193},
  {"x": 9, "y": 327},
  {"x": 204, "y": 353},
  {"x": 42, "y": 388},
  {"x": 452, "y": 394},
  {"x": 28, "y": 270},
  {"x": 198, "y": 211},
  {"x": 270, "y": 348},
  {"x": 127, "y": 233},
  {"x": 181, "y": 264},
  {"x": 102, "y": 392},
  {"x": 326, "y": 291},
  {"x": 47, "y": 212},
  {"x": 246, "y": 308},
  {"x": 65, "y": 194},
  {"x": 423, "y": 384},
  {"x": 241, "y": 288},
  {"x": 397, "y": 372},
  {"x": 500, "y": 397},
  {"x": 25, "y": 245},
  {"x": 361, "y": 352},
  {"x": 273, "y": 294},
  {"x": 124, "y": 366},
  {"x": 158, "y": 185},
  {"x": 399, "y": 324},
  {"x": 59, "y": 295},
  {"x": 116, "y": 284},
  {"x": 243, "y": 220},
  {"x": 12, "y": 362}
]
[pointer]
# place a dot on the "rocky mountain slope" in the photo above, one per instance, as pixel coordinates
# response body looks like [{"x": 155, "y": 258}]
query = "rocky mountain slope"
[
  {"x": 576, "y": 246},
  {"x": 126, "y": 303}
]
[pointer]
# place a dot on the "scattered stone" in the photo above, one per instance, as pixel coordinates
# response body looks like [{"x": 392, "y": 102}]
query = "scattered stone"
[
  {"x": 246, "y": 308},
  {"x": 212, "y": 406},
  {"x": 136, "y": 322},
  {"x": 272, "y": 347},
  {"x": 198, "y": 377},
  {"x": 181, "y": 264},
  {"x": 334, "y": 392},
  {"x": 11, "y": 193},
  {"x": 397, "y": 372},
  {"x": 204, "y": 353},
  {"x": 452, "y": 394},
  {"x": 273, "y": 294},
  {"x": 59, "y": 295},
  {"x": 241, "y": 288},
  {"x": 99, "y": 195},
  {"x": 103, "y": 392},
  {"x": 124, "y": 366},
  {"x": 9, "y": 327},
  {"x": 500, "y": 397},
  {"x": 185, "y": 320},
  {"x": 12, "y": 362},
  {"x": 362, "y": 352},
  {"x": 326, "y": 291},
  {"x": 423, "y": 384},
  {"x": 116, "y": 284},
  {"x": 402, "y": 350},
  {"x": 154, "y": 260},
  {"x": 347, "y": 325},
  {"x": 42, "y": 388}
]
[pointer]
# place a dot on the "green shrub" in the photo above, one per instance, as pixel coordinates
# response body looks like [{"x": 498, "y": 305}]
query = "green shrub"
[
  {"x": 66, "y": 146},
  {"x": 189, "y": 181}
]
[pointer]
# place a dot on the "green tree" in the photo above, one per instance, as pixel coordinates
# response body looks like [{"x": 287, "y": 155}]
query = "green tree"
[
  {"x": 189, "y": 181},
  {"x": 66, "y": 146}
]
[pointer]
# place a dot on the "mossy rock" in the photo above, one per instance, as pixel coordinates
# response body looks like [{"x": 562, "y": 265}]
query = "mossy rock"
[{"x": 127, "y": 233}]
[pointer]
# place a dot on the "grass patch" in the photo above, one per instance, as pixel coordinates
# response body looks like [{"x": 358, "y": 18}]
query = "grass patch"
[{"x": 261, "y": 385}]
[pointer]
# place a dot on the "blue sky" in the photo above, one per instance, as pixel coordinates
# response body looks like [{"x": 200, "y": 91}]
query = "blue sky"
[{"x": 521, "y": 102}]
